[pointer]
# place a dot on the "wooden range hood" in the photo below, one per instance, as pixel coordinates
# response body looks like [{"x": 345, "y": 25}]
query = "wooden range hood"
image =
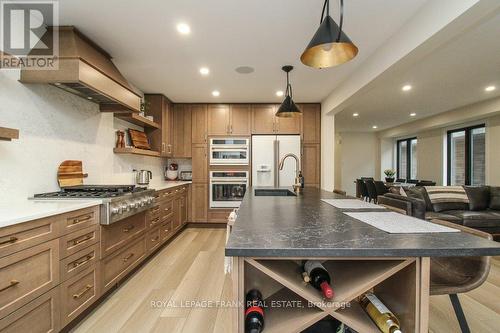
[{"x": 86, "y": 70}]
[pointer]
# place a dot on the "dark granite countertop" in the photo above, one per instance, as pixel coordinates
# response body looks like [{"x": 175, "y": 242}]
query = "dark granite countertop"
[{"x": 305, "y": 226}]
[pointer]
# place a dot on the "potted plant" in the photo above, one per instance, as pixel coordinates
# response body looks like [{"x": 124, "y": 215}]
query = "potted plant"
[{"x": 389, "y": 175}]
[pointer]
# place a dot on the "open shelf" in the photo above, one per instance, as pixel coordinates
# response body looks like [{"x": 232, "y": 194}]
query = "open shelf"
[
  {"x": 350, "y": 278},
  {"x": 136, "y": 151},
  {"x": 7, "y": 134},
  {"x": 290, "y": 318},
  {"x": 138, "y": 120},
  {"x": 280, "y": 280}
]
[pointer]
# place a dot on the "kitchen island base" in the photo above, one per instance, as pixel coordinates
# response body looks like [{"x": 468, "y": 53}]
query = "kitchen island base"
[{"x": 293, "y": 305}]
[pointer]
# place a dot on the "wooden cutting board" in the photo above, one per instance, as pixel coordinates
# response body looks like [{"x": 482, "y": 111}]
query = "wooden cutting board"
[
  {"x": 139, "y": 139},
  {"x": 70, "y": 173}
]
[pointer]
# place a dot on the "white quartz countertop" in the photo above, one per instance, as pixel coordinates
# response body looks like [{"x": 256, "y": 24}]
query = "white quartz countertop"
[
  {"x": 167, "y": 184},
  {"x": 27, "y": 210}
]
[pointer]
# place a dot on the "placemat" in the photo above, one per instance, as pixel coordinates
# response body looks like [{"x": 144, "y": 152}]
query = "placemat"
[{"x": 395, "y": 223}]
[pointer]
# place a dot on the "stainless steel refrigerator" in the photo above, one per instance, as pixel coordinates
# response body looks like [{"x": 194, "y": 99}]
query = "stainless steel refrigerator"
[{"x": 267, "y": 151}]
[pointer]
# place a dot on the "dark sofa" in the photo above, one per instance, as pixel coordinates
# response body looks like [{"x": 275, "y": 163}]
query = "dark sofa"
[{"x": 481, "y": 213}]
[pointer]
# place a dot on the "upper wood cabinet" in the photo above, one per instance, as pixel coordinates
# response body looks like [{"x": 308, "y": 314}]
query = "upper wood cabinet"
[
  {"x": 230, "y": 120},
  {"x": 162, "y": 111},
  {"x": 198, "y": 123},
  {"x": 311, "y": 123},
  {"x": 218, "y": 119},
  {"x": 240, "y": 118},
  {"x": 182, "y": 131},
  {"x": 264, "y": 121},
  {"x": 288, "y": 125}
]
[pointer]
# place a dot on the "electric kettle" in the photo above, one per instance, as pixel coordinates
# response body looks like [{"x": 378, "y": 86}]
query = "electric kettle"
[{"x": 142, "y": 177}]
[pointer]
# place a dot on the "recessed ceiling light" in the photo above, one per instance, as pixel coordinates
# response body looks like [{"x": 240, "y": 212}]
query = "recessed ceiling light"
[
  {"x": 279, "y": 93},
  {"x": 374, "y": 126},
  {"x": 406, "y": 87},
  {"x": 355, "y": 114},
  {"x": 183, "y": 28},
  {"x": 204, "y": 71},
  {"x": 413, "y": 114},
  {"x": 490, "y": 88},
  {"x": 215, "y": 93}
]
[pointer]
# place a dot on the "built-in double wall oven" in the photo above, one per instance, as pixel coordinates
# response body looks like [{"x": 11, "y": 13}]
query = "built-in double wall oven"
[
  {"x": 229, "y": 151},
  {"x": 227, "y": 188}
]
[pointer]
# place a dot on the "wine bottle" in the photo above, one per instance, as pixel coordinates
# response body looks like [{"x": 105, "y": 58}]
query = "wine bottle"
[
  {"x": 306, "y": 277},
  {"x": 254, "y": 312},
  {"x": 385, "y": 320},
  {"x": 319, "y": 277}
]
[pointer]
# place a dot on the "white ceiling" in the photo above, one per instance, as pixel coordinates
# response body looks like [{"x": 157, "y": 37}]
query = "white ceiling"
[
  {"x": 453, "y": 75},
  {"x": 264, "y": 34}
]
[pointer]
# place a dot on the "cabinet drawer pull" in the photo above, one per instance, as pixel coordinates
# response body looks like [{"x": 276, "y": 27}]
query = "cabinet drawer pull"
[
  {"x": 82, "y": 219},
  {"x": 155, "y": 239},
  {"x": 12, "y": 283},
  {"x": 167, "y": 209},
  {"x": 155, "y": 220},
  {"x": 12, "y": 239},
  {"x": 81, "y": 262},
  {"x": 81, "y": 240},
  {"x": 167, "y": 230},
  {"x": 127, "y": 229},
  {"x": 81, "y": 293},
  {"x": 155, "y": 209},
  {"x": 128, "y": 257}
]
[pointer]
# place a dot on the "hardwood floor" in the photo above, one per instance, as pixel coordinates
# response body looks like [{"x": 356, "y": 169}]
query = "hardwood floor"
[{"x": 191, "y": 268}]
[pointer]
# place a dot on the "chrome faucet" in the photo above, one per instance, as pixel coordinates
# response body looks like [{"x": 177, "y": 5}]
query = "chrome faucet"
[{"x": 297, "y": 187}]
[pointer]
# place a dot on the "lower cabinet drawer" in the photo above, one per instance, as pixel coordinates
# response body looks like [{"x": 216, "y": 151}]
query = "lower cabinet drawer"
[
  {"x": 153, "y": 239},
  {"x": 166, "y": 209},
  {"x": 166, "y": 230},
  {"x": 114, "y": 267},
  {"x": 79, "y": 262},
  {"x": 28, "y": 274},
  {"x": 118, "y": 234},
  {"x": 78, "y": 293},
  {"x": 39, "y": 316},
  {"x": 80, "y": 219},
  {"x": 74, "y": 242}
]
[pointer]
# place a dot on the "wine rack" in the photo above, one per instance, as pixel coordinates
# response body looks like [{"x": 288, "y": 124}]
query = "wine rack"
[{"x": 398, "y": 282}]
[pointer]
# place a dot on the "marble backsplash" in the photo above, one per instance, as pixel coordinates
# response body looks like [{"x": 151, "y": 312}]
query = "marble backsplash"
[{"x": 55, "y": 126}]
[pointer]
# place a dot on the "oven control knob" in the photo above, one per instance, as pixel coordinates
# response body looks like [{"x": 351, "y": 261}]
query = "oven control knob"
[
  {"x": 116, "y": 210},
  {"x": 131, "y": 205},
  {"x": 150, "y": 200},
  {"x": 125, "y": 207},
  {"x": 144, "y": 202}
]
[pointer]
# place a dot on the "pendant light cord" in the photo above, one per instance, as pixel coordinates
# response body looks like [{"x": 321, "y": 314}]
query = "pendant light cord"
[{"x": 326, "y": 6}]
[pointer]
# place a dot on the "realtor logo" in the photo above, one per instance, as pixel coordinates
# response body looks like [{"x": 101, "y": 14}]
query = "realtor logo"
[{"x": 26, "y": 42}]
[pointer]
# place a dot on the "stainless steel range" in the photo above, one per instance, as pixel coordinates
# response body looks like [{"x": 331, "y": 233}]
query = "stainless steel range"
[{"x": 118, "y": 201}]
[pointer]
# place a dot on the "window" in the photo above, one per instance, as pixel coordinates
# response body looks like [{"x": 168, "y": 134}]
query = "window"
[
  {"x": 466, "y": 156},
  {"x": 407, "y": 158}
]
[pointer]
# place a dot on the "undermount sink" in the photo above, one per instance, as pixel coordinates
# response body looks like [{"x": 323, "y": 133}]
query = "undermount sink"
[{"x": 274, "y": 192}]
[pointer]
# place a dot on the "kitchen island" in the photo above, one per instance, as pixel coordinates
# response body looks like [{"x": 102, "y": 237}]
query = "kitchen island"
[{"x": 273, "y": 234}]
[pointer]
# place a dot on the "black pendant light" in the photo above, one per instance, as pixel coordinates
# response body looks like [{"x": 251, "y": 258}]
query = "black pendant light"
[
  {"x": 288, "y": 108},
  {"x": 330, "y": 46}
]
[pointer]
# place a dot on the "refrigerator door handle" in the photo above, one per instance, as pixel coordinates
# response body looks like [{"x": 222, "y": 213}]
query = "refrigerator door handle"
[{"x": 276, "y": 156}]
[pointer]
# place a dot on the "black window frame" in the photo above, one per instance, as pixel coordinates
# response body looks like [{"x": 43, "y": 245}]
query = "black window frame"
[
  {"x": 408, "y": 157},
  {"x": 468, "y": 150}
]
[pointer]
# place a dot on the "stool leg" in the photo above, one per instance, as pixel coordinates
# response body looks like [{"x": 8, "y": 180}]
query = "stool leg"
[{"x": 459, "y": 312}]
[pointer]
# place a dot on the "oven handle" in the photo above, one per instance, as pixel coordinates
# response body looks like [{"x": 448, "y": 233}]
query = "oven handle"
[{"x": 232, "y": 181}]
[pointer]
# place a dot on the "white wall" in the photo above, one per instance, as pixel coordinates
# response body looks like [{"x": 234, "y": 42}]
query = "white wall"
[
  {"x": 357, "y": 158},
  {"x": 56, "y": 126},
  {"x": 328, "y": 152}
]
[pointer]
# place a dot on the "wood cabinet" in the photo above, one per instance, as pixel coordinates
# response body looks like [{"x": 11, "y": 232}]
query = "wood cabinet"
[
  {"x": 182, "y": 131},
  {"x": 199, "y": 123},
  {"x": 41, "y": 315},
  {"x": 229, "y": 120},
  {"x": 218, "y": 119},
  {"x": 264, "y": 121},
  {"x": 199, "y": 163},
  {"x": 199, "y": 197},
  {"x": 28, "y": 274},
  {"x": 160, "y": 139},
  {"x": 311, "y": 123},
  {"x": 311, "y": 164}
]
